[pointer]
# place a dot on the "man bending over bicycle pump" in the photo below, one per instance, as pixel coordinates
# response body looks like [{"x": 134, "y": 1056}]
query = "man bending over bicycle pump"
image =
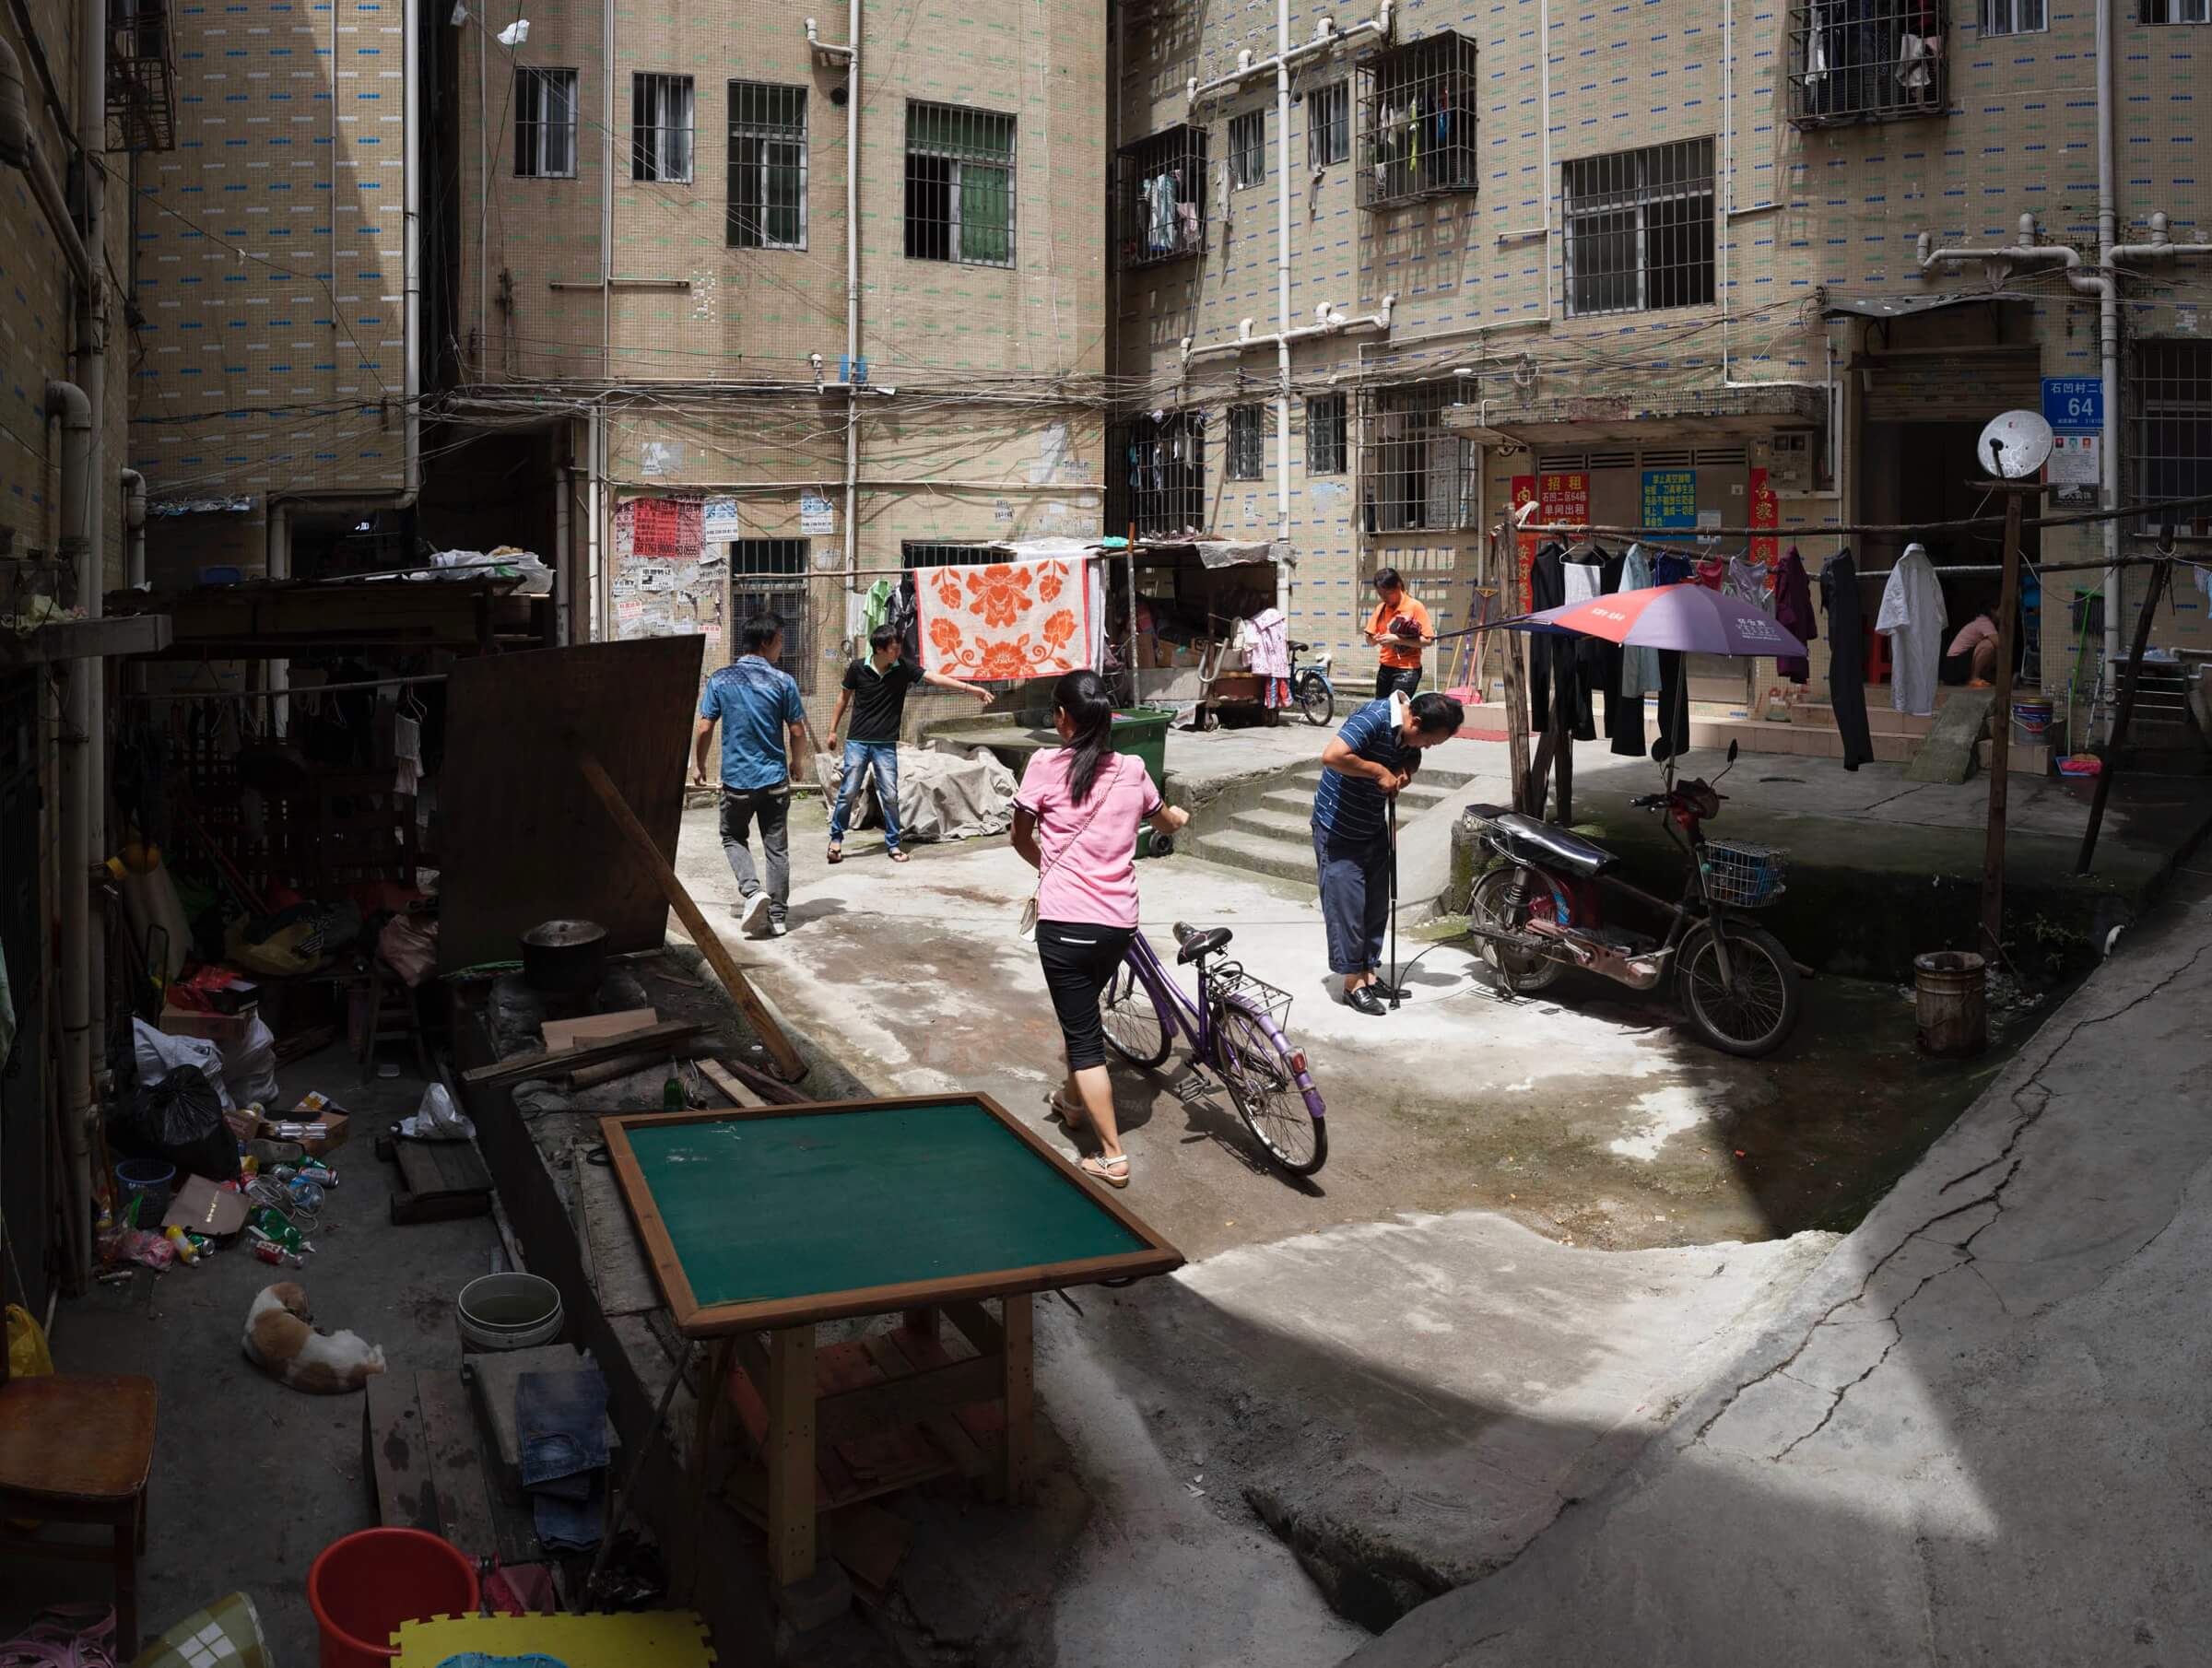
[{"x": 1365, "y": 764}]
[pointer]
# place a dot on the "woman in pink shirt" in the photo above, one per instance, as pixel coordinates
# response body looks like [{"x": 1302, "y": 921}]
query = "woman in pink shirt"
[{"x": 1074, "y": 822}]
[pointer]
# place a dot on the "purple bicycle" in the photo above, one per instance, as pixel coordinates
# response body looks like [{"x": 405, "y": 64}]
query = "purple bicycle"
[{"x": 1235, "y": 1029}]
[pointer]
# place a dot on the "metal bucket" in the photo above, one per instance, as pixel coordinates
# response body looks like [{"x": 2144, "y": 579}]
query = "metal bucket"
[
  {"x": 1952, "y": 998},
  {"x": 2031, "y": 722}
]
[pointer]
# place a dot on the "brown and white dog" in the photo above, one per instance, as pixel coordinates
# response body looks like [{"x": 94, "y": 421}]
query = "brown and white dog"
[{"x": 280, "y": 1341}]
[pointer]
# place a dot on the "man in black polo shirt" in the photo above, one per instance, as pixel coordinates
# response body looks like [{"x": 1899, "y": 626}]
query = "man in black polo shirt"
[{"x": 875, "y": 692}]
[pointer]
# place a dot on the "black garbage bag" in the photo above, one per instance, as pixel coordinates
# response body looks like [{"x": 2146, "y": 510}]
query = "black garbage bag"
[{"x": 180, "y": 1119}]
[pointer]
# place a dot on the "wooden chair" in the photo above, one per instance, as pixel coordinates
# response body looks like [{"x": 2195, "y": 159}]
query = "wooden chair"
[
  {"x": 76, "y": 1450},
  {"x": 392, "y": 1017}
]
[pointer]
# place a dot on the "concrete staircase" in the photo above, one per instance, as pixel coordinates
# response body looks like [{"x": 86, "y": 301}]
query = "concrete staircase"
[{"x": 1271, "y": 832}]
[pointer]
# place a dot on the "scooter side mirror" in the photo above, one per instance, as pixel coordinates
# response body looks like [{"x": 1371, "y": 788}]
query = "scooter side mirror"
[{"x": 1733, "y": 748}]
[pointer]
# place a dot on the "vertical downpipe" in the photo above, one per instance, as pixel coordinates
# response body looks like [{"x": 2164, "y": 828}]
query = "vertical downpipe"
[
  {"x": 2108, "y": 329},
  {"x": 1282, "y": 286},
  {"x": 79, "y": 744}
]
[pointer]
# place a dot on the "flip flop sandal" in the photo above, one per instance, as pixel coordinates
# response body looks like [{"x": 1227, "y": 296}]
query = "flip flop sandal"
[
  {"x": 1071, "y": 1118},
  {"x": 900, "y": 857},
  {"x": 837, "y": 854},
  {"x": 1100, "y": 1170}
]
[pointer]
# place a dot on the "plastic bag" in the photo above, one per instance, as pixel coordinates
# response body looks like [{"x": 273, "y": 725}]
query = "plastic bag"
[
  {"x": 410, "y": 947},
  {"x": 179, "y": 1118},
  {"x": 159, "y": 1054},
  {"x": 26, "y": 1354},
  {"x": 250, "y": 1063},
  {"x": 437, "y": 1119}
]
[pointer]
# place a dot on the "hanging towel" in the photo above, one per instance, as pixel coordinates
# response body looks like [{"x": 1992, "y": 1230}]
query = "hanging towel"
[
  {"x": 1912, "y": 616},
  {"x": 1793, "y": 613},
  {"x": 1004, "y": 620}
]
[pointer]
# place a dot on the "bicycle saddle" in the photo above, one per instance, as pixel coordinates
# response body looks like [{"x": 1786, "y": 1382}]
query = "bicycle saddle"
[{"x": 1203, "y": 943}]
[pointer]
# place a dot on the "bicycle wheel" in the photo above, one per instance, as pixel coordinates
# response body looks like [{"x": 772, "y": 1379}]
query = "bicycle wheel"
[
  {"x": 1756, "y": 1015},
  {"x": 1255, "y": 1067},
  {"x": 1314, "y": 699},
  {"x": 1520, "y": 972},
  {"x": 1134, "y": 1027}
]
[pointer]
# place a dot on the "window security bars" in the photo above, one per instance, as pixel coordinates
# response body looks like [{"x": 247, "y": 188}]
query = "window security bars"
[
  {"x": 2014, "y": 16},
  {"x": 1160, "y": 197},
  {"x": 545, "y": 123},
  {"x": 1325, "y": 434},
  {"x": 1416, "y": 122},
  {"x": 959, "y": 185},
  {"x": 918, "y": 553},
  {"x": 1640, "y": 229},
  {"x": 659, "y": 128},
  {"x": 2172, "y": 410},
  {"x": 1247, "y": 454},
  {"x": 768, "y": 166},
  {"x": 1416, "y": 474},
  {"x": 1329, "y": 124},
  {"x": 2177, "y": 11},
  {"x": 768, "y": 576},
  {"x": 1157, "y": 470},
  {"x": 1867, "y": 60},
  {"x": 1248, "y": 149}
]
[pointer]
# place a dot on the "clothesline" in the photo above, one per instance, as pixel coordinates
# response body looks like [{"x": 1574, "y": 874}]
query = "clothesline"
[{"x": 2149, "y": 507}]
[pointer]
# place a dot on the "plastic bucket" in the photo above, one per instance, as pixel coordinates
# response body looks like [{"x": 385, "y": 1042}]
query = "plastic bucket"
[
  {"x": 150, "y": 1180},
  {"x": 2031, "y": 722},
  {"x": 363, "y": 1586},
  {"x": 509, "y": 1312},
  {"x": 1951, "y": 1002}
]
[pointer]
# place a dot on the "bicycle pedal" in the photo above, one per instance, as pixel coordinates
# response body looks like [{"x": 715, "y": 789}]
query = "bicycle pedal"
[{"x": 1193, "y": 1086}]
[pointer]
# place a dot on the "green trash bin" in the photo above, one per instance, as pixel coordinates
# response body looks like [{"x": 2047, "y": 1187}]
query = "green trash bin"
[{"x": 1143, "y": 732}]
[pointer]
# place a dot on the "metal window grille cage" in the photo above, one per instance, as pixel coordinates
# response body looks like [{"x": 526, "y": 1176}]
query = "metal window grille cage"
[
  {"x": 1248, "y": 149},
  {"x": 1329, "y": 124},
  {"x": 1866, "y": 61},
  {"x": 768, "y": 576},
  {"x": 1160, "y": 197},
  {"x": 1246, "y": 458},
  {"x": 659, "y": 128},
  {"x": 1325, "y": 434},
  {"x": 1416, "y": 476},
  {"x": 545, "y": 123},
  {"x": 919, "y": 552},
  {"x": 2171, "y": 392},
  {"x": 2014, "y": 16},
  {"x": 142, "y": 77},
  {"x": 1639, "y": 228},
  {"x": 1743, "y": 875},
  {"x": 767, "y": 166},
  {"x": 2177, "y": 11},
  {"x": 1228, "y": 979},
  {"x": 959, "y": 185},
  {"x": 1416, "y": 122},
  {"x": 1157, "y": 476}
]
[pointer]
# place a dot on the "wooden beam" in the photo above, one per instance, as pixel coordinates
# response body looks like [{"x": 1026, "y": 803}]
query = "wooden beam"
[
  {"x": 710, "y": 943},
  {"x": 903, "y": 1401},
  {"x": 791, "y": 1444},
  {"x": 540, "y": 1062},
  {"x": 113, "y": 634},
  {"x": 1017, "y": 1384},
  {"x": 728, "y": 1083}
]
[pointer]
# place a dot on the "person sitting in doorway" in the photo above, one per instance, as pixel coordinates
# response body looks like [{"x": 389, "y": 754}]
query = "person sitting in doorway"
[
  {"x": 1399, "y": 628},
  {"x": 875, "y": 690},
  {"x": 1972, "y": 660},
  {"x": 1364, "y": 765}
]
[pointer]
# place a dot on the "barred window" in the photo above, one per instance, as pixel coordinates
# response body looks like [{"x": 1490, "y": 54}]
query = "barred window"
[
  {"x": 1248, "y": 149},
  {"x": 1160, "y": 197},
  {"x": 1158, "y": 474},
  {"x": 2177, "y": 11},
  {"x": 2014, "y": 18},
  {"x": 920, "y": 553},
  {"x": 1416, "y": 122},
  {"x": 2172, "y": 409},
  {"x": 1416, "y": 474},
  {"x": 545, "y": 123},
  {"x": 768, "y": 166},
  {"x": 659, "y": 128},
  {"x": 1871, "y": 60},
  {"x": 768, "y": 576},
  {"x": 959, "y": 185},
  {"x": 1247, "y": 459},
  {"x": 1329, "y": 124},
  {"x": 1640, "y": 229},
  {"x": 1325, "y": 434}
]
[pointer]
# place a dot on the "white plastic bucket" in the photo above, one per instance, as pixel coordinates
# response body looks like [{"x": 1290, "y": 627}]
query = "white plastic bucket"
[{"x": 508, "y": 1312}]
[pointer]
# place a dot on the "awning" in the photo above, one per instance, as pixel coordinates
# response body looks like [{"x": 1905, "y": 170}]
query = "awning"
[
  {"x": 1224, "y": 552},
  {"x": 1742, "y": 411},
  {"x": 1899, "y": 307}
]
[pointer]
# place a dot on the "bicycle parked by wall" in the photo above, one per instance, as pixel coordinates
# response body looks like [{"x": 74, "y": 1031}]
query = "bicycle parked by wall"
[
  {"x": 1311, "y": 686},
  {"x": 1235, "y": 1030}
]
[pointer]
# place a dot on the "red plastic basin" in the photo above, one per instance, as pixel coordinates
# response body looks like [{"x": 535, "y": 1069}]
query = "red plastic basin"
[{"x": 363, "y": 1586}]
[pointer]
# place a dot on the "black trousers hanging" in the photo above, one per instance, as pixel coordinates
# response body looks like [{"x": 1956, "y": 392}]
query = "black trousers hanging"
[
  {"x": 1673, "y": 709},
  {"x": 1846, "y": 657}
]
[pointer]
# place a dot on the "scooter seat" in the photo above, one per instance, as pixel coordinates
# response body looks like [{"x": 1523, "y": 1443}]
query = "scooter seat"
[{"x": 1540, "y": 843}]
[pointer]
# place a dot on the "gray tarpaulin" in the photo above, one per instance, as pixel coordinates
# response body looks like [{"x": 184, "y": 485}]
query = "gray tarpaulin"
[{"x": 941, "y": 795}]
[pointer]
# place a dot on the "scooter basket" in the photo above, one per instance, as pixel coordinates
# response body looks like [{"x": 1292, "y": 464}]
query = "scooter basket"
[{"x": 1743, "y": 877}]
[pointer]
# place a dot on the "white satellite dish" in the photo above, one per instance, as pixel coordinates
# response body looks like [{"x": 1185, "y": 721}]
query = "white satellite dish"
[{"x": 2014, "y": 446}]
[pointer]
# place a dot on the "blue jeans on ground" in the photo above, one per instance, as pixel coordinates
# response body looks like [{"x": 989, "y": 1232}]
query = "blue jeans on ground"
[
  {"x": 1355, "y": 899},
  {"x": 860, "y": 755}
]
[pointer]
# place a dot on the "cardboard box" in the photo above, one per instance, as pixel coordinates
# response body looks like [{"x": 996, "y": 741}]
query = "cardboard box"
[
  {"x": 313, "y": 1108},
  {"x": 205, "y": 1208},
  {"x": 210, "y": 1026}
]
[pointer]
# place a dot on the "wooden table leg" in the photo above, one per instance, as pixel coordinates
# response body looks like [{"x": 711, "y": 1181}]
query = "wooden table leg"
[
  {"x": 126, "y": 1558},
  {"x": 790, "y": 1459},
  {"x": 1019, "y": 1366},
  {"x": 922, "y": 1321},
  {"x": 714, "y": 1384}
]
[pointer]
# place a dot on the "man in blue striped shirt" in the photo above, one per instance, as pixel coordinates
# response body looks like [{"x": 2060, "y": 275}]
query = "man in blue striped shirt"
[{"x": 1368, "y": 761}]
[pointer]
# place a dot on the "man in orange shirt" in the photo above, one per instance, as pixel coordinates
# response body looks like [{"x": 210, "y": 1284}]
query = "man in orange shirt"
[{"x": 1399, "y": 629}]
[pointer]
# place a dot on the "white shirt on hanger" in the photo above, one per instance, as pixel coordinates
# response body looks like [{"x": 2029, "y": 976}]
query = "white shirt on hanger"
[{"x": 1913, "y": 618}]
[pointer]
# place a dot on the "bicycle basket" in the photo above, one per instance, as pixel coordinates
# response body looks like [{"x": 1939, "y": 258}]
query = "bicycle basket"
[{"x": 1744, "y": 875}]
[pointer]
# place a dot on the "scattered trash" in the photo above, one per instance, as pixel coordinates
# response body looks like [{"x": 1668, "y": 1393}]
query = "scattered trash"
[
  {"x": 179, "y": 1118},
  {"x": 281, "y": 1342},
  {"x": 437, "y": 1119},
  {"x": 228, "y": 1632},
  {"x": 157, "y": 1054},
  {"x": 26, "y": 1353}
]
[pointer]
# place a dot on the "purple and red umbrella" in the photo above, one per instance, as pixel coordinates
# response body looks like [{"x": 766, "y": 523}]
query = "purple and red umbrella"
[{"x": 1693, "y": 619}]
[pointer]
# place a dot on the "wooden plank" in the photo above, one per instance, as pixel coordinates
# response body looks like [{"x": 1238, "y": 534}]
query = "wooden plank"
[
  {"x": 620, "y": 1274},
  {"x": 1017, "y": 1368},
  {"x": 770, "y": 1091},
  {"x": 657, "y": 865},
  {"x": 538, "y": 1062},
  {"x": 944, "y": 1428},
  {"x": 891, "y": 1403},
  {"x": 457, "y": 1466},
  {"x": 979, "y": 1424},
  {"x": 527, "y": 842},
  {"x": 728, "y": 1083},
  {"x": 791, "y": 1472},
  {"x": 564, "y": 1034},
  {"x": 976, "y": 1324},
  {"x": 395, "y": 1453}
]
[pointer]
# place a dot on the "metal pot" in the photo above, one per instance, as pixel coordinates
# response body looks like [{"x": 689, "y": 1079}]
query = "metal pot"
[{"x": 565, "y": 958}]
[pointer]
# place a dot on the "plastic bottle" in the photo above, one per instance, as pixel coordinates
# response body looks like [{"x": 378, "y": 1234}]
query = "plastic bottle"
[
  {"x": 186, "y": 1251},
  {"x": 305, "y": 1192},
  {"x": 268, "y": 1250}
]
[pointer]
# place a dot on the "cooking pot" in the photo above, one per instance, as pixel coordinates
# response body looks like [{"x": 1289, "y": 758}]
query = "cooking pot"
[{"x": 565, "y": 958}]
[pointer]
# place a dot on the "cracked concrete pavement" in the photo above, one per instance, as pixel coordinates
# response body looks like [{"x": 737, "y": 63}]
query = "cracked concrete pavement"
[{"x": 1976, "y": 1436}]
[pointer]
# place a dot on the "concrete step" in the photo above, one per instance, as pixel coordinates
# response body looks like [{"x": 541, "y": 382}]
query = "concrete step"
[
  {"x": 1812, "y": 741},
  {"x": 1257, "y": 854},
  {"x": 1298, "y": 801},
  {"x": 1277, "y": 822}
]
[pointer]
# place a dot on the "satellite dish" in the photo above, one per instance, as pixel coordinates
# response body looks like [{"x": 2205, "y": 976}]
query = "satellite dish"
[{"x": 2014, "y": 446}]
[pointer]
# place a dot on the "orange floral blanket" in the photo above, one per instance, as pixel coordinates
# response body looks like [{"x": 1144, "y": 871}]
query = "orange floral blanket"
[{"x": 1005, "y": 620}]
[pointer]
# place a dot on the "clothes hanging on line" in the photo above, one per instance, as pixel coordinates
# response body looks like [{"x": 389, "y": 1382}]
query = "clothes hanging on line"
[
  {"x": 1555, "y": 660},
  {"x": 1912, "y": 617},
  {"x": 1266, "y": 642},
  {"x": 1670, "y": 568},
  {"x": 1749, "y": 581},
  {"x": 1604, "y": 664},
  {"x": 1639, "y": 667},
  {"x": 1846, "y": 657},
  {"x": 1794, "y": 612}
]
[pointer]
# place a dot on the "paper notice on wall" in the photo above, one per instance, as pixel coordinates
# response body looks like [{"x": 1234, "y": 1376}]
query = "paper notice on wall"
[
  {"x": 719, "y": 519},
  {"x": 817, "y": 516},
  {"x": 625, "y": 531},
  {"x": 658, "y": 458},
  {"x": 666, "y": 529},
  {"x": 2074, "y": 469}
]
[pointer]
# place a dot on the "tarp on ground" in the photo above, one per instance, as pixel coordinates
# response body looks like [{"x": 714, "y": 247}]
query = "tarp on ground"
[{"x": 941, "y": 795}]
